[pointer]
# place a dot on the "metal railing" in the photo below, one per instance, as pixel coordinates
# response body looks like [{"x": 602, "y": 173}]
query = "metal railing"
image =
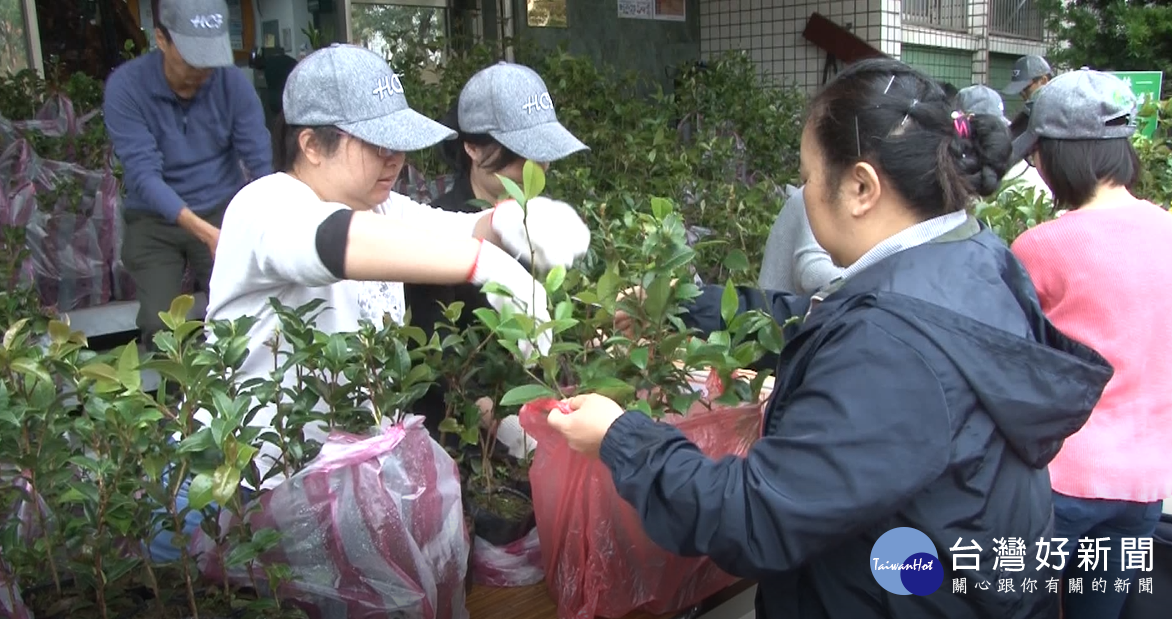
[
  {"x": 1015, "y": 18},
  {"x": 944, "y": 14}
]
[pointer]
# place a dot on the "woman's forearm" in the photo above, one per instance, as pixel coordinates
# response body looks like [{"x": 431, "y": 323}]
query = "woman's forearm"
[{"x": 381, "y": 249}]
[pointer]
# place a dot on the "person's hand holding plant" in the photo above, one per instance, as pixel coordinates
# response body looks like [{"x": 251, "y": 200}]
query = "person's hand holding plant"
[{"x": 584, "y": 421}]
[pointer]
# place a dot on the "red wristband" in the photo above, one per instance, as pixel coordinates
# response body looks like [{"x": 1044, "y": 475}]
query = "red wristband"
[{"x": 475, "y": 261}]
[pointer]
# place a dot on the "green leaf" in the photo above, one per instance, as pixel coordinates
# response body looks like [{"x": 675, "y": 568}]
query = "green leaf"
[
  {"x": 450, "y": 426},
  {"x": 128, "y": 373},
  {"x": 513, "y": 190},
  {"x": 199, "y": 442},
  {"x": 59, "y": 332},
  {"x": 730, "y": 302},
  {"x": 658, "y": 294},
  {"x": 526, "y": 394},
  {"x": 487, "y": 316},
  {"x": 13, "y": 331},
  {"x": 771, "y": 338},
  {"x": 610, "y": 387},
  {"x": 199, "y": 493},
  {"x": 534, "y": 177},
  {"x": 225, "y": 483},
  {"x": 32, "y": 369},
  {"x": 736, "y": 260},
  {"x": 555, "y": 279},
  {"x": 639, "y": 357},
  {"x": 240, "y": 554},
  {"x": 660, "y": 207}
]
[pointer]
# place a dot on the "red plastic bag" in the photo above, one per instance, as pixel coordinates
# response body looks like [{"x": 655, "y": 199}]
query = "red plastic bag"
[
  {"x": 598, "y": 561},
  {"x": 515, "y": 565},
  {"x": 372, "y": 528}
]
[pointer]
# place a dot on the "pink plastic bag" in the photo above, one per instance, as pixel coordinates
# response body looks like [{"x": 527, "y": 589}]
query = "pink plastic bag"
[
  {"x": 598, "y": 560},
  {"x": 372, "y": 528},
  {"x": 515, "y": 565}
]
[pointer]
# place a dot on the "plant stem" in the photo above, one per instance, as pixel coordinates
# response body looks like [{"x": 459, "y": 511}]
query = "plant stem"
[{"x": 32, "y": 482}]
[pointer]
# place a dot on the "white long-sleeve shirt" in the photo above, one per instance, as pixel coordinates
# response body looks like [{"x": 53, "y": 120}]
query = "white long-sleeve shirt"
[
  {"x": 267, "y": 248},
  {"x": 794, "y": 262}
]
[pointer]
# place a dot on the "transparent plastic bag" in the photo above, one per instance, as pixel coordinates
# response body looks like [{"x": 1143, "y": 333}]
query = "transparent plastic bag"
[
  {"x": 515, "y": 565},
  {"x": 28, "y": 510},
  {"x": 598, "y": 560},
  {"x": 11, "y": 604},
  {"x": 70, "y": 213},
  {"x": 372, "y": 528}
]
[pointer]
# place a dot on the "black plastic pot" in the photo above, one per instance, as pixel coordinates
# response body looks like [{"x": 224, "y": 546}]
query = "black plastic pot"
[{"x": 500, "y": 530}]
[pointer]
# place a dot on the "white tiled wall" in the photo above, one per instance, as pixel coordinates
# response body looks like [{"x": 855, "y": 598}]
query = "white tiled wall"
[{"x": 771, "y": 32}]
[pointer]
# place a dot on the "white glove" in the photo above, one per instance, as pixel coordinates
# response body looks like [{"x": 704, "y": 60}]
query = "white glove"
[
  {"x": 510, "y": 434},
  {"x": 558, "y": 234},
  {"x": 494, "y": 265}
]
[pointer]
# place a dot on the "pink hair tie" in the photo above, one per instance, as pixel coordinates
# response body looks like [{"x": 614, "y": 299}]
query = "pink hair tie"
[{"x": 961, "y": 123}]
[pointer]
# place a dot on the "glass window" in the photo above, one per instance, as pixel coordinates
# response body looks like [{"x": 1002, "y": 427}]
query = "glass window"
[
  {"x": 390, "y": 29},
  {"x": 14, "y": 42}
]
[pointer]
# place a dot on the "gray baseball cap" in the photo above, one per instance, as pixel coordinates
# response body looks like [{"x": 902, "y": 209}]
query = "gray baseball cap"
[
  {"x": 353, "y": 89},
  {"x": 511, "y": 103},
  {"x": 980, "y": 99},
  {"x": 1026, "y": 70},
  {"x": 199, "y": 30},
  {"x": 1080, "y": 105}
]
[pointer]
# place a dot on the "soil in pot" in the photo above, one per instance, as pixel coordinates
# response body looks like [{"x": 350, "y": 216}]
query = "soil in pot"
[{"x": 501, "y": 517}]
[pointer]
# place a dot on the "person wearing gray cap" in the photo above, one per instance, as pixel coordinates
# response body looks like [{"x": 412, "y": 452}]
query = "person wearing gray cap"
[
  {"x": 1029, "y": 74},
  {"x": 503, "y": 117},
  {"x": 329, "y": 214},
  {"x": 328, "y": 221},
  {"x": 1101, "y": 275},
  {"x": 181, "y": 120},
  {"x": 1022, "y": 177}
]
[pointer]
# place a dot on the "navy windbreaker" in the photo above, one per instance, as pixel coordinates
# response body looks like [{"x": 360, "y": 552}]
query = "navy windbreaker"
[{"x": 929, "y": 391}]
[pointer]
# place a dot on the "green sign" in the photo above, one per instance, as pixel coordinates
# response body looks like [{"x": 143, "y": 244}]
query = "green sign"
[{"x": 1146, "y": 86}]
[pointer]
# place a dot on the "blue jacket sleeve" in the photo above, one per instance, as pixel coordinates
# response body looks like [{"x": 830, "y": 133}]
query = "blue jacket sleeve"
[
  {"x": 136, "y": 148},
  {"x": 867, "y": 428},
  {"x": 250, "y": 136}
]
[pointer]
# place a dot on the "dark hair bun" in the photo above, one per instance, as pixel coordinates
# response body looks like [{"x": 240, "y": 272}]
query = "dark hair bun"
[{"x": 982, "y": 158}]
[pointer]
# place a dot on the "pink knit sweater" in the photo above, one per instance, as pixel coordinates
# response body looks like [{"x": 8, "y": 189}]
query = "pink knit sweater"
[{"x": 1104, "y": 277}]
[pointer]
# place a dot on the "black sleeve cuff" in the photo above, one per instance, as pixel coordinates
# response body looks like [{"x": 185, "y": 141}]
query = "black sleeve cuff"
[{"x": 332, "y": 236}]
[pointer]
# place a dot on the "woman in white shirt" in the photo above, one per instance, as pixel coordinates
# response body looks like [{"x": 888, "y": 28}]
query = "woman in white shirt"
[{"x": 328, "y": 222}]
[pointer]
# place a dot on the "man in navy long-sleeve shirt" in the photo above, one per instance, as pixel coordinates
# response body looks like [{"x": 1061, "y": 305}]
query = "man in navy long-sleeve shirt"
[{"x": 181, "y": 119}]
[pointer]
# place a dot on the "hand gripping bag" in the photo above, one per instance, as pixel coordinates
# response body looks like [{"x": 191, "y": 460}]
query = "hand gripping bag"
[{"x": 598, "y": 561}]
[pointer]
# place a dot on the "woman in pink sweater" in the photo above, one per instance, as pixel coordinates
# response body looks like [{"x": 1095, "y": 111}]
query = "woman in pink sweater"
[{"x": 1101, "y": 272}]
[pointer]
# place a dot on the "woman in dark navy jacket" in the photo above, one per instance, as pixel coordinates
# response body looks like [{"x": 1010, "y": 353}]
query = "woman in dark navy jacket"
[{"x": 924, "y": 388}]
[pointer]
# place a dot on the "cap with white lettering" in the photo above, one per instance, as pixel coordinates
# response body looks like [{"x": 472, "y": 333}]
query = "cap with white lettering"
[
  {"x": 355, "y": 90},
  {"x": 1026, "y": 70},
  {"x": 1080, "y": 105},
  {"x": 511, "y": 103},
  {"x": 199, "y": 30}
]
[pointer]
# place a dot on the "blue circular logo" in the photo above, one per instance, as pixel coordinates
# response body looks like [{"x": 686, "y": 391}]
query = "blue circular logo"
[{"x": 904, "y": 561}]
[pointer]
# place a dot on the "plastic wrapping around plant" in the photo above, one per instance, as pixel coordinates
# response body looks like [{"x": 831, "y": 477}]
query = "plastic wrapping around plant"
[
  {"x": 11, "y": 604},
  {"x": 516, "y": 565},
  {"x": 23, "y": 517},
  {"x": 70, "y": 214},
  {"x": 372, "y": 528},
  {"x": 598, "y": 560},
  {"x": 416, "y": 186}
]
